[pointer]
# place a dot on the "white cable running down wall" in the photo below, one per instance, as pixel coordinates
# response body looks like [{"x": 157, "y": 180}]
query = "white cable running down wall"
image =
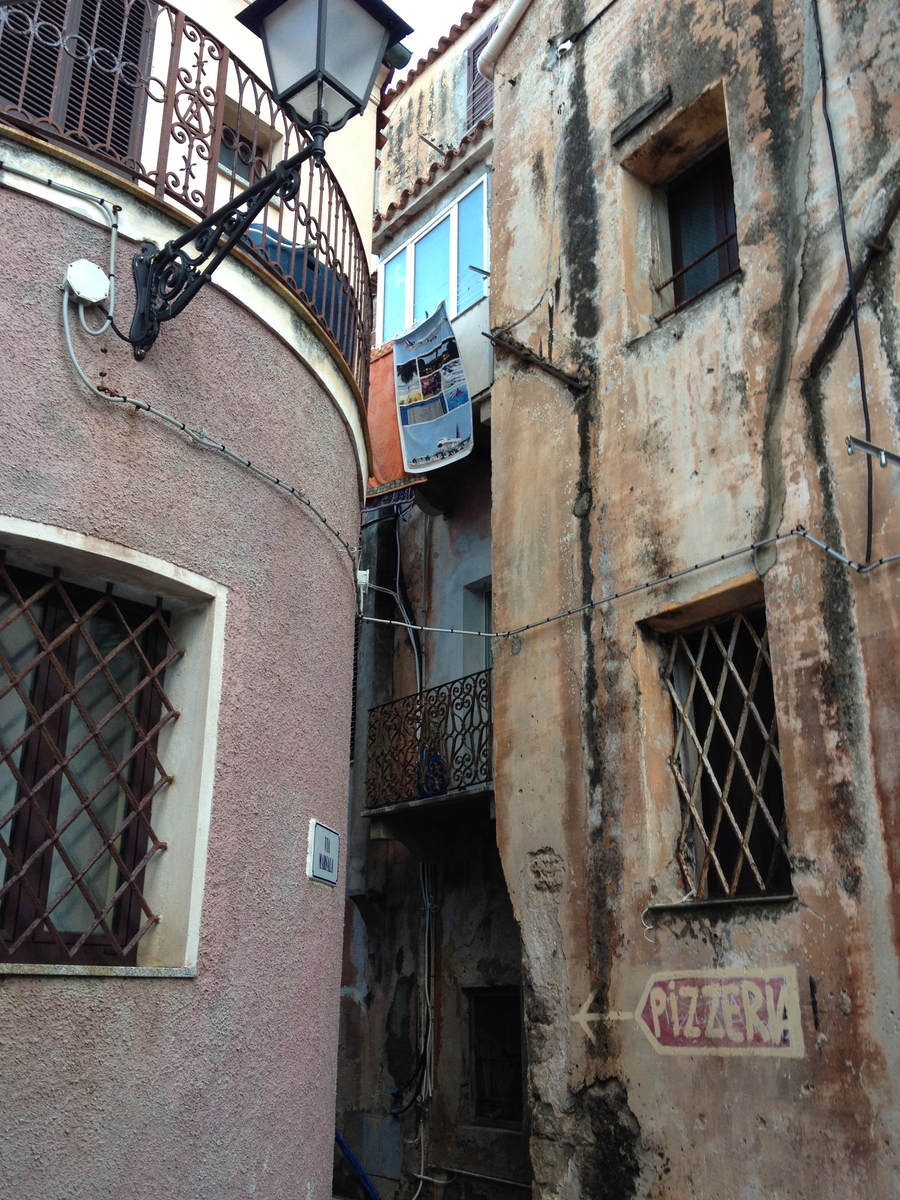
[{"x": 199, "y": 436}]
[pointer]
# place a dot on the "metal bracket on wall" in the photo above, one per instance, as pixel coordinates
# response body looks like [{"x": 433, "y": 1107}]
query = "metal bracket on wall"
[
  {"x": 578, "y": 383},
  {"x": 883, "y": 456}
]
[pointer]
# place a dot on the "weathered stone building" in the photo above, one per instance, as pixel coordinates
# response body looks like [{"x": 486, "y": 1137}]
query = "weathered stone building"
[
  {"x": 655, "y": 873},
  {"x": 695, "y": 762}
]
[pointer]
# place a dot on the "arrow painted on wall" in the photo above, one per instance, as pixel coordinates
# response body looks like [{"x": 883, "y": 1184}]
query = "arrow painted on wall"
[{"x": 585, "y": 1018}]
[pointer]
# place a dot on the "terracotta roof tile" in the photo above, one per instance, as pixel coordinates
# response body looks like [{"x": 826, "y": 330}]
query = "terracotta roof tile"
[
  {"x": 444, "y": 164},
  {"x": 456, "y": 31}
]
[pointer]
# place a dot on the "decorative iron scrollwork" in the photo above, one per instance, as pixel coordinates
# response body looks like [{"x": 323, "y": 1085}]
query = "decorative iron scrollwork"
[
  {"x": 150, "y": 92},
  {"x": 167, "y": 280},
  {"x": 431, "y": 744}
]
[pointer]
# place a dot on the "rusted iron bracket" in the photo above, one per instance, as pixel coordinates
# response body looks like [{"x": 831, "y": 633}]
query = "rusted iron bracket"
[
  {"x": 576, "y": 382},
  {"x": 876, "y": 247},
  {"x": 166, "y": 280},
  {"x": 627, "y": 127},
  {"x": 883, "y": 456}
]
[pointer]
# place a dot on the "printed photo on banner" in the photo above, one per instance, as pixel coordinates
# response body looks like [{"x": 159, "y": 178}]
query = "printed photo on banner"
[{"x": 434, "y": 409}]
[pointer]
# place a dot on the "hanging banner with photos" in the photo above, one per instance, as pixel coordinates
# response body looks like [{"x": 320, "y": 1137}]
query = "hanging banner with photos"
[{"x": 433, "y": 405}]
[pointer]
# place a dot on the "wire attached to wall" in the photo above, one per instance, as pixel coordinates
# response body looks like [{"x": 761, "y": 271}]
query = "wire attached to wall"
[
  {"x": 198, "y": 436},
  {"x": 799, "y": 532},
  {"x": 426, "y": 877},
  {"x": 850, "y": 276}
]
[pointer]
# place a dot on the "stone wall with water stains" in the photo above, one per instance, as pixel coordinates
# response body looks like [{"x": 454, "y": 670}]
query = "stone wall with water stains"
[{"x": 687, "y": 436}]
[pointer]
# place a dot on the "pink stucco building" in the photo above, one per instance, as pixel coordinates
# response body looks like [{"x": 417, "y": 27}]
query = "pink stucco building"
[{"x": 176, "y": 627}]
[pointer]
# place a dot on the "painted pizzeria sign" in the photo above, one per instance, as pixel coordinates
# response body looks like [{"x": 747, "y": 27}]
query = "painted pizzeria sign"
[{"x": 723, "y": 1012}]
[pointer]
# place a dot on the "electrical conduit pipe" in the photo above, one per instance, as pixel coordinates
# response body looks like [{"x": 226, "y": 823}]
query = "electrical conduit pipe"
[{"x": 504, "y": 31}]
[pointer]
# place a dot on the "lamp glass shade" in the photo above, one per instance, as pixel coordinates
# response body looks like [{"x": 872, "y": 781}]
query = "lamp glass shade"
[
  {"x": 323, "y": 53},
  {"x": 355, "y": 43},
  {"x": 291, "y": 37}
]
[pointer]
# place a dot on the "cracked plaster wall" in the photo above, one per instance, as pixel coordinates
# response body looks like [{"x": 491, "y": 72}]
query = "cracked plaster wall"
[
  {"x": 434, "y": 104},
  {"x": 697, "y": 436}
]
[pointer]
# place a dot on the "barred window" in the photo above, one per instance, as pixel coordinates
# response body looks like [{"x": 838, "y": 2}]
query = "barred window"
[
  {"x": 726, "y": 762},
  {"x": 82, "y": 704},
  {"x": 496, "y": 1041}
]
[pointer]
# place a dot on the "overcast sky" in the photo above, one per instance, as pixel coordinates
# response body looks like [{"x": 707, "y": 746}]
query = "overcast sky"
[{"x": 430, "y": 19}]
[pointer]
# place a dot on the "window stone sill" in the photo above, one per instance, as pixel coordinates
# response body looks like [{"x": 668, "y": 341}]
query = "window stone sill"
[
  {"x": 685, "y": 907},
  {"x": 99, "y": 972}
]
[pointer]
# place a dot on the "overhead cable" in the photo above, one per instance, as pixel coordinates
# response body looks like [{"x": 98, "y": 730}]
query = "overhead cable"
[{"x": 799, "y": 532}]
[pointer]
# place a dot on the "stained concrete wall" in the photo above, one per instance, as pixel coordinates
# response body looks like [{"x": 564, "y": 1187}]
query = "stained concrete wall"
[
  {"x": 445, "y": 552},
  {"x": 696, "y": 436},
  {"x": 222, "y": 1084},
  {"x": 431, "y": 105},
  {"x": 438, "y": 553},
  {"x": 382, "y": 1013},
  {"x": 440, "y": 550}
]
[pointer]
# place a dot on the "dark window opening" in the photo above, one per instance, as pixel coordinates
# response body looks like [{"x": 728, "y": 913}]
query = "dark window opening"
[
  {"x": 81, "y": 708},
  {"x": 726, "y": 761},
  {"x": 480, "y": 91},
  {"x": 702, "y": 228},
  {"x": 241, "y": 157},
  {"x": 495, "y": 1016}
]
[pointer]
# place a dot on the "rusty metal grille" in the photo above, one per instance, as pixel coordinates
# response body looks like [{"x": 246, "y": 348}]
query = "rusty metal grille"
[
  {"x": 82, "y": 704},
  {"x": 142, "y": 88},
  {"x": 430, "y": 744},
  {"x": 733, "y": 839}
]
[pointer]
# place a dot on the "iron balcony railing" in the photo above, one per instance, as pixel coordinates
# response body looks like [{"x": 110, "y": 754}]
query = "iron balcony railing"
[
  {"x": 431, "y": 744},
  {"x": 143, "y": 89}
]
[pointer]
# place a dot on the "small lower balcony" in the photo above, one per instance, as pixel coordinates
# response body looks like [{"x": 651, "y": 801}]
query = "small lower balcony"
[{"x": 436, "y": 744}]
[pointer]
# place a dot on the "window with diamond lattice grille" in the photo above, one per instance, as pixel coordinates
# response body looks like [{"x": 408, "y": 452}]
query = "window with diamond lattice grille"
[
  {"x": 82, "y": 704},
  {"x": 726, "y": 760}
]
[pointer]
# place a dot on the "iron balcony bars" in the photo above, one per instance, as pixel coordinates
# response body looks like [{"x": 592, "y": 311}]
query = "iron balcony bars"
[
  {"x": 433, "y": 743},
  {"x": 143, "y": 89}
]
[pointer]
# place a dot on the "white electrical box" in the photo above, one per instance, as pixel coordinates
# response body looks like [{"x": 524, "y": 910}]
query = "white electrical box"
[
  {"x": 323, "y": 854},
  {"x": 87, "y": 282}
]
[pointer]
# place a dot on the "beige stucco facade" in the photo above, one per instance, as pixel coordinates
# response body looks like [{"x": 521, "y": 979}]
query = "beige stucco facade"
[{"x": 697, "y": 434}]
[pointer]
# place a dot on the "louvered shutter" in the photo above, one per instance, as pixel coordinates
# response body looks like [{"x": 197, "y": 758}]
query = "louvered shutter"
[{"x": 480, "y": 100}]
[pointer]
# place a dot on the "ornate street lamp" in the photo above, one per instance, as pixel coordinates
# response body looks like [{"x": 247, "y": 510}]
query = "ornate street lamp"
[{"x": 323, "y": 56}]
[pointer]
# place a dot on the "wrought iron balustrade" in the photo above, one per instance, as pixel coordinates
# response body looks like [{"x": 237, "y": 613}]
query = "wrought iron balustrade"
[
  {"x": 145, "y": 90},
  {"x": 435, "y": 742}
]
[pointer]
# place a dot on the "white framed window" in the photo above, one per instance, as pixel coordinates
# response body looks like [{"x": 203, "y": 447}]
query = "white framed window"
[
  {"x": 110, "y": 680},
  {"x": 446, "y": 261}
]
